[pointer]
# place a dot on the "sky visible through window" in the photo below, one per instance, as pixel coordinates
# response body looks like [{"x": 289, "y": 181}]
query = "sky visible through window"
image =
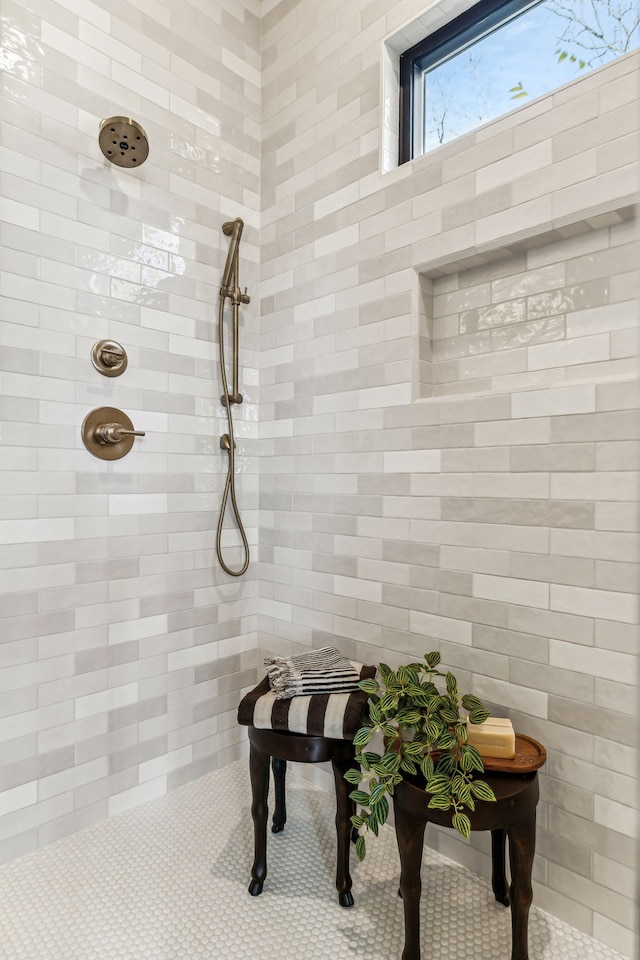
[{"x": 541, "y": 49}]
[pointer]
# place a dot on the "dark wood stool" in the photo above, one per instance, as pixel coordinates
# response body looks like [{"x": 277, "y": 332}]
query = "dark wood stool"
[
  {"x": 313, "y": 729},
  {"x": 512, "y": 816},
  {"x": 281, "y": 747}
]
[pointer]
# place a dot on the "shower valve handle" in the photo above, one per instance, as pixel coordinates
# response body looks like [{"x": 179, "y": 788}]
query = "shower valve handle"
[
  {"x": 109, "y": 358},
  {"x": 112, "y": 356},
  {"x": 115, "y": 432}
]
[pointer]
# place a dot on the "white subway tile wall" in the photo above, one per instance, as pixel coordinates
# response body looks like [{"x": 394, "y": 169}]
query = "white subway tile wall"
[
  {"x": 493, "y": 282},
  {"x": 124, "y": 647}
]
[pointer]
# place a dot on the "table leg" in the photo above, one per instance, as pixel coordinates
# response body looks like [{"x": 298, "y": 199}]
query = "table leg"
[
  {"x": 345, "y": 808},
  {"x": 259, "y": 771},
  {"x": 522, "y": 846},
  {"x": 279, "y": 768},
  {"x": 498, "y": 875},
  {"x": 410, "y": 837}
]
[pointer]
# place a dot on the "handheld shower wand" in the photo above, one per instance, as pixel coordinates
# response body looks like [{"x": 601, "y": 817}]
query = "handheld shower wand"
[
  {"x": 229, "y": 288},
  {"x": 233, "y": 229}
]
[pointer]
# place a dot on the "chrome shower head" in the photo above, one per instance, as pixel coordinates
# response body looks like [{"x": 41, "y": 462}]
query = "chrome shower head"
[{"x": 123, "y": 142}]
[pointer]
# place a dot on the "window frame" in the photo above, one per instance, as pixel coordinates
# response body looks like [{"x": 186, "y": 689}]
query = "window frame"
[{"x": 477, "y": 21}]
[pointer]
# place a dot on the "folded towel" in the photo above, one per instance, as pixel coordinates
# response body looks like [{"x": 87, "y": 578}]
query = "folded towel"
[
  {"x": 320, "y": 671},
  {"x": 334, "y": 715}
]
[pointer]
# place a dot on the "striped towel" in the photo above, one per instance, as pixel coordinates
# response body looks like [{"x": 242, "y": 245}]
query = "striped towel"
[
  {"x": 335, "y": 715},
  {"x": 319, "y": 671}
]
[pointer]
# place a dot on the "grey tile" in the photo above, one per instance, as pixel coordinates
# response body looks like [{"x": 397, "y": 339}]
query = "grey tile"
[
  {"x": 18, "y": 604},
  {"x": 570, "y": 570},
  {"x": 411, "y": 553},
  {"x": 550, "y": 457},
  {"x": 34, "y": 767},
  {"x": 538, "y": 513},
  {"x": 616, "y": 696},
  {"x": 19, "y": 845},
  {"x": 469, "y": 660},
  {"x": 480, "y": 611},
  {"x": 102, "y": 657},
  {"x": 606, "y": 723},
  {"x": 89, "y": 794},
  {"x": 568, "y": 797},
  {"x": 622, "y": 425},
  {"x": 72, "y": 822},
  {"x": 218, "y": 668},
  {"x": 520, "y": 646},
  {"x": 136, "y": 754},
  {"x": 107, "y": 570},
  {"x": 137, "y": 712}
]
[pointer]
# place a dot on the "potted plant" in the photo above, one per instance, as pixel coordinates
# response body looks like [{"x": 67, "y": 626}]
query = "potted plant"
[{"x": 424, "y": 733}]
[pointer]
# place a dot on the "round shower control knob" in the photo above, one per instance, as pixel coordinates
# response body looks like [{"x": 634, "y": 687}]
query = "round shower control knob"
[{"x": 109, "y": 358}]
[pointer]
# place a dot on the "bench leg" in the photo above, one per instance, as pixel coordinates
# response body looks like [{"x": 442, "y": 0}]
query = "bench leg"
[
  {"x": 345, "y": 808},
  {"x": 522, "y": 846},
  {"x": 259, "y": 771},
  {"x": 279, "y": 768},
  {"x": 498, "y": 874},
  {"x": 410, "y": 837}
]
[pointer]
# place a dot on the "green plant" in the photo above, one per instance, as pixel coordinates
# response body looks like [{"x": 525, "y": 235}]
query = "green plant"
[{"x": 423, "y": 732}]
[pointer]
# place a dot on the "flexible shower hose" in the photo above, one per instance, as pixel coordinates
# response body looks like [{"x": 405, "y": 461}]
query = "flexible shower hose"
[{"x": 230, "y": 484}]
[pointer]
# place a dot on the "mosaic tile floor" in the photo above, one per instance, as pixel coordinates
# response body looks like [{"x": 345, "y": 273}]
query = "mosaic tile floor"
[{"x": 168, "y": 881}]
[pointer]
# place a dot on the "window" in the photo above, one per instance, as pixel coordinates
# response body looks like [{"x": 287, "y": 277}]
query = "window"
[{"x": 498, "y": 55}]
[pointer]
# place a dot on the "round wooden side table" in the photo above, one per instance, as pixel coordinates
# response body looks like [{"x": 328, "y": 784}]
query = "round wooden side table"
[{"x": 512, "y": 817}]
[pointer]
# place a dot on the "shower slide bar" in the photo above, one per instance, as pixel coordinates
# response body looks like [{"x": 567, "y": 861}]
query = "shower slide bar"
[{"x": 229, "y": 289}]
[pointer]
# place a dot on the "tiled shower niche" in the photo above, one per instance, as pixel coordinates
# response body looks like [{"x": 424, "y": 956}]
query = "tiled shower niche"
[{"x": 553, "y": 310}]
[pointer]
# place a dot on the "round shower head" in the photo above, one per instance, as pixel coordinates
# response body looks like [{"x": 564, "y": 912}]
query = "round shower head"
[{"x": 123, "y": 141}]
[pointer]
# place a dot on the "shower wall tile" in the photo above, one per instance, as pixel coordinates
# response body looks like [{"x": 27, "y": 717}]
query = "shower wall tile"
[
  {"x": 110, "y": 591},
  {"x": 490, "y": 527},
  {"x": 470, "y": 489}
]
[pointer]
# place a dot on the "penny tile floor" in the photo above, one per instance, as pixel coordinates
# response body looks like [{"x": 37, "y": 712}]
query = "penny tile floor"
[{"x": 168, "y": 881}]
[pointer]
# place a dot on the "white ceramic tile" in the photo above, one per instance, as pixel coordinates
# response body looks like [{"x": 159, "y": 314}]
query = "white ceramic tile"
[
  {"x": 515, "y": 166},
  {"x": 128, "y": 799},
  {"x": 511, "y": 590},
  {"x": 360, "y": 589},
  {"x": 70, "y": 779},
  {"x": 560, "y": 401},
  {"x": 106, "y": 700},
  {"x": 18, "y": 798},
  {"x": 416, "y": 461},
  {"x": 581, "y": 350},
  {"x": 605, "y": 663},
  {"x": 616, "y": 816}
]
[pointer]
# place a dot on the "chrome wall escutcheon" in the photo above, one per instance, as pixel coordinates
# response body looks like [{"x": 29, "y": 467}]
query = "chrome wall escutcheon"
[
  {"x": 109, "y": 358},
  {"x": 108, "y": 433}
]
